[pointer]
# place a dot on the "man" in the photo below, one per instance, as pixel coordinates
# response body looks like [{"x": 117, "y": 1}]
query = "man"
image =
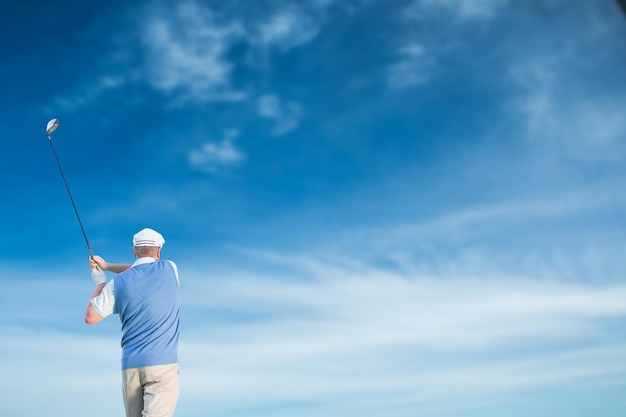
[{"x": 145, "y": 295}]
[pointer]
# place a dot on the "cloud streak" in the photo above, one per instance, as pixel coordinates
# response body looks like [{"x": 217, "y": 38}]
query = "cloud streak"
[
  {"x": 285, "y": 115},
  {"x": 187, "y": 48},
  {"x": 581, "y": 123},
  {"x": 411, "y": 68},
  {"x": 287, "y": 29},
  {"x": 84, "y": 94},
  {"x": 334, "y": 328},
  {"x": 185, "y": 51},
  {"x": 212, "y": 157},
  {"x": 463, "y": 10}
]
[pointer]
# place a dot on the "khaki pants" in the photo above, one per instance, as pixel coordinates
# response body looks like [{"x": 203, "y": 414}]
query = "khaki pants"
[{"x": 151, "y": 391}]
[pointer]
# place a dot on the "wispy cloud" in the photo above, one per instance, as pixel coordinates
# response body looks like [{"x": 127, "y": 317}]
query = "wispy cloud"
[
  {"x": 212, "y": 157},
  {"x": 412, "y": 67},
  {"x": 180, "y": 51},
  {"x": 185, "y": 53},
  {"x": 465, "y": 10},
  {"x": 187, "y": 47},
  {"x": 86, "y": 93},
  {"x": 56, "y": 343},
  {"x": 287, "y": 29},
  {"x": 285, "y": 115},
  {"x": 417, "y": 52},
  {"x": 363, "y": 331},
  {"x": 88, "y": 362},
  {"x": 581, "y": 123}
]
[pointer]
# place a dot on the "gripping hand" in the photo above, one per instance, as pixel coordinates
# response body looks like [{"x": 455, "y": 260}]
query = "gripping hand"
[{"x": 97, "y": 273}]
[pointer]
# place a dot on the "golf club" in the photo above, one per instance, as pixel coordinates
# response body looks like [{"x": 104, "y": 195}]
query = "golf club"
[{"x": 51, "y": 127}]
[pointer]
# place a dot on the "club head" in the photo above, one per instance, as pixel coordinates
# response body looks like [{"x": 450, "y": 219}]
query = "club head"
[{"x": 52, "y": 126}]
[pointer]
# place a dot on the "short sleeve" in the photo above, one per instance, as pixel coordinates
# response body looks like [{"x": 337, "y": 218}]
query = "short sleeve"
[{"x": 105, "y": 304}]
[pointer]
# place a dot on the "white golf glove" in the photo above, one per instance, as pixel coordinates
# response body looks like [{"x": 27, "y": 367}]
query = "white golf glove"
[{"x": 98, "y": 276}]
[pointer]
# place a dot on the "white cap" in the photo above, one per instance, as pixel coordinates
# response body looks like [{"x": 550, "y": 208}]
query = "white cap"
[{"x": 148, "y": 237}]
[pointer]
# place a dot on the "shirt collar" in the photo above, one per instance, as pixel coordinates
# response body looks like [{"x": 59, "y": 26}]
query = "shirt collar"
[{"x": 144, "y": 260}]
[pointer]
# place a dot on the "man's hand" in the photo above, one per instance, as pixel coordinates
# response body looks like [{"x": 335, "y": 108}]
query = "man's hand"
[
  {"x": 98, "y": 266},
  {"x": 98, "y": 276},
  {"x": 97, "y": 262}
]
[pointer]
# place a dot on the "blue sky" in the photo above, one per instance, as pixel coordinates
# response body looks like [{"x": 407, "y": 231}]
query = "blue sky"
[{"x": 378, "y": 208}]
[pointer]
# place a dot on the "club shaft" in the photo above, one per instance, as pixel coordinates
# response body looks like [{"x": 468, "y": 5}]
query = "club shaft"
[{"x": 70, "y": 194}]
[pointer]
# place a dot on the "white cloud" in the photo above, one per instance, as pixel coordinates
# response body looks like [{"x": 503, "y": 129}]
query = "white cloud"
[
  {"x": 184, "y": 48},
  {"x": 411, "y": 69},
  {"x": 416, "y": 54},
  {"x": 462, "y": 9},
  {"x": 70, "y": 357},
  {"x": 212, "y": 157},
  {"x": 561, "y": 113},
  {"x": 85, "y": 94},
  {"x": 354, "y": 330},
  {"x": 286, "y": 115},
  {"x": 80, "y": 364},
  {"x": 287, "y": 29},
  {"x": 185, "y": 52}
]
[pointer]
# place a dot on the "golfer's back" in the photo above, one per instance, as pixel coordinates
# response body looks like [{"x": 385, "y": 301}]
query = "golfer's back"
[{"x": 147, "y": 301}]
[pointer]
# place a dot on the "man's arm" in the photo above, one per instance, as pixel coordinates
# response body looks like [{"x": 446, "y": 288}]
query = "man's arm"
[
  {"x": 91, "y": 315},
  {"x": 105, "y": 266},
  {"x": 118, "y": 268}
]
